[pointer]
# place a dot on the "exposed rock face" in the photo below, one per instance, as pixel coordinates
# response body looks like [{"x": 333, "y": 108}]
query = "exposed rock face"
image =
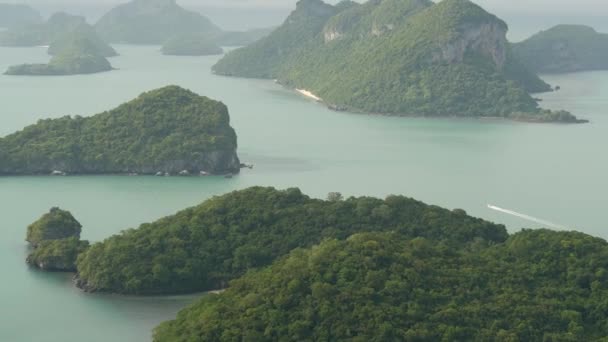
[{"x": 489, "y": 39}]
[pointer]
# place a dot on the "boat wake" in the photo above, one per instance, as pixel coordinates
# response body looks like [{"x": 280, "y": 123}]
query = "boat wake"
[{"x": 528, "y": 217}]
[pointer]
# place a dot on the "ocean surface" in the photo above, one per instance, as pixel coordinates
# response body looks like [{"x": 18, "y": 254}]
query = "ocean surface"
[{"x": 557, "y": 173}]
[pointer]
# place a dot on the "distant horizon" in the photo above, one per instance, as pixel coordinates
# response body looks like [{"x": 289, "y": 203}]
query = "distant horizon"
[{"x": 247, "y": 14}]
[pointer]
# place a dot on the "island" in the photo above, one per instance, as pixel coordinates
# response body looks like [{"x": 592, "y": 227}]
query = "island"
[
  {"x": 563, "y": 49},
  {"x": 16, "y": 15},
  {"x": 55, "y": 238},
  {"x": 151, "y": 22},
  {"x": 42, "y": 34},
  {"x": 205, "y": 247},
  {"x": 537, "y": 285},
  {"x": 57, "y": 255},
  {"x": 407, "y": 58},
  {"x": 79, "y": 54},
  {"x": 169, "y": 131},
  {"x": 57, "y": 224},
  {"x": 81, "y": 33},
  {"x": 191, "y": 44}
]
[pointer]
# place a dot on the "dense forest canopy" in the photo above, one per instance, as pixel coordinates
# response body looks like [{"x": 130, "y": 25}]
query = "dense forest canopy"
[
  {"x": 564, "y": 48},
  {"x": 409, "y": 57},
  {"x": 55, "y": 225},
  {"x": 204, "y": 247},
  {"x": 535, "y": 286},
  {"x": 169, "y": 129}
]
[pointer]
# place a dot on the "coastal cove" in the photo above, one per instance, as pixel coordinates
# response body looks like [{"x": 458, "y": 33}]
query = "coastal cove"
[{"x": 550, "y": 171}]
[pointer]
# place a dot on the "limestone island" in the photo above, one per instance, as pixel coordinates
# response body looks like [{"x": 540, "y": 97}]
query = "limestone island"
[
  {"x": 563, "y": 49},
  {"x": 191, "y": 44},
  {"x": 78, "y": 55},
  {"x": 405, "y": 58},
  {"x": 16, "y": 15},
  {"x": 168, "y": 131},
  {"x": 151, "y": 22},
  {"x": 55, "y": 239}
]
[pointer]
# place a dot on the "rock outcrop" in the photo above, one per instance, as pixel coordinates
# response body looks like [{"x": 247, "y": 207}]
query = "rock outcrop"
[{"x": 57, "y": 224}]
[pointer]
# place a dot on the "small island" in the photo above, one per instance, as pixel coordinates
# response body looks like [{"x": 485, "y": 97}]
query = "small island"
[
  {"x": 169, "y": 131},
  {"x": 79, "y": 55},
  {"x": 191, "y": 45},
  {"x": 55, "y": 238},
  {"x": 401, "y": 58},
  {"x": 83, "y": 32},
  {"x": 563, "y": 49},
  {"x": 151, "y": 22}
]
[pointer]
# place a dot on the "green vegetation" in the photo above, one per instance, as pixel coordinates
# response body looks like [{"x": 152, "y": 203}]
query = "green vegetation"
[
  {"x": 169, "y": 130},
  {"x": 396, "y": 57},
  {"x": 536, "y": 286},
  {"x": 564, "y": 48},
  {"x": 13, "y": 15},
  {"x": 204, "y": 247},
  {"x": 264, "y": 57},
  {"x": 55, "y": 225},
  {"x": 57, "y": 255},
  {"x": 58, "y": 25},
  {"x": 151, "y": 22},
  {"x": 80, "y": 54},
  {"x": 192, "y": 44}
]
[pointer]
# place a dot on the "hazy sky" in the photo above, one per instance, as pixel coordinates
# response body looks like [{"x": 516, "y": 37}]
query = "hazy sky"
[
  {"x": 523, "y": 16},
  {"x": 579, "y": 7}
]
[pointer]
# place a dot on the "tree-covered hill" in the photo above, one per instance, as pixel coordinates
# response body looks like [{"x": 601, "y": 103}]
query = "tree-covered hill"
[
  {"x": 536, "y": 286},
  {"x": 264, "y": 58},
  {"x": 167, "y": 130},
  {"x": 82, "y": 32},
  {"x": 409, "y": 57},
  {"x": 74, "y": 54},
  {"x": 204, "y": 247},
  {"x": 564, "y": 48},
  {"x": 151, "y": 22}
]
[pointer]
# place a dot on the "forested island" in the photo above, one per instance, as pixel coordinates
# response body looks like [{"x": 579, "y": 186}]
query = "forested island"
[
  {"x": 192, "y": 44},
  {"x": 165, "y": 131},
  {"x": 151, "y": 22},
  {"x": 393, "y": 57},
  {"x": 564, "y": 48},
  {"x": 533, "y": 286},
  {"x": 75, "y": 54},
  {"x": 55, "y": 239},
  {"x": 205, "y": 247},
  {"x": 15, "y": 15},
  {"x": 298, "y": 268}
]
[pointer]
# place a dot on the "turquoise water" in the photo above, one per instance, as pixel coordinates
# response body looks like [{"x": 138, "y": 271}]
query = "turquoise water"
[{"x": 554, "y": 172}]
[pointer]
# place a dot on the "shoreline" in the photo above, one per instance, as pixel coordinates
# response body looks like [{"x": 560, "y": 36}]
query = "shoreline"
[{"x": 309, "y": 94}]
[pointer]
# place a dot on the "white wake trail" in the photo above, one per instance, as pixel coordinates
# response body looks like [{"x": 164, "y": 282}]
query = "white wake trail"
[{"x": 528, "y": 217}]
